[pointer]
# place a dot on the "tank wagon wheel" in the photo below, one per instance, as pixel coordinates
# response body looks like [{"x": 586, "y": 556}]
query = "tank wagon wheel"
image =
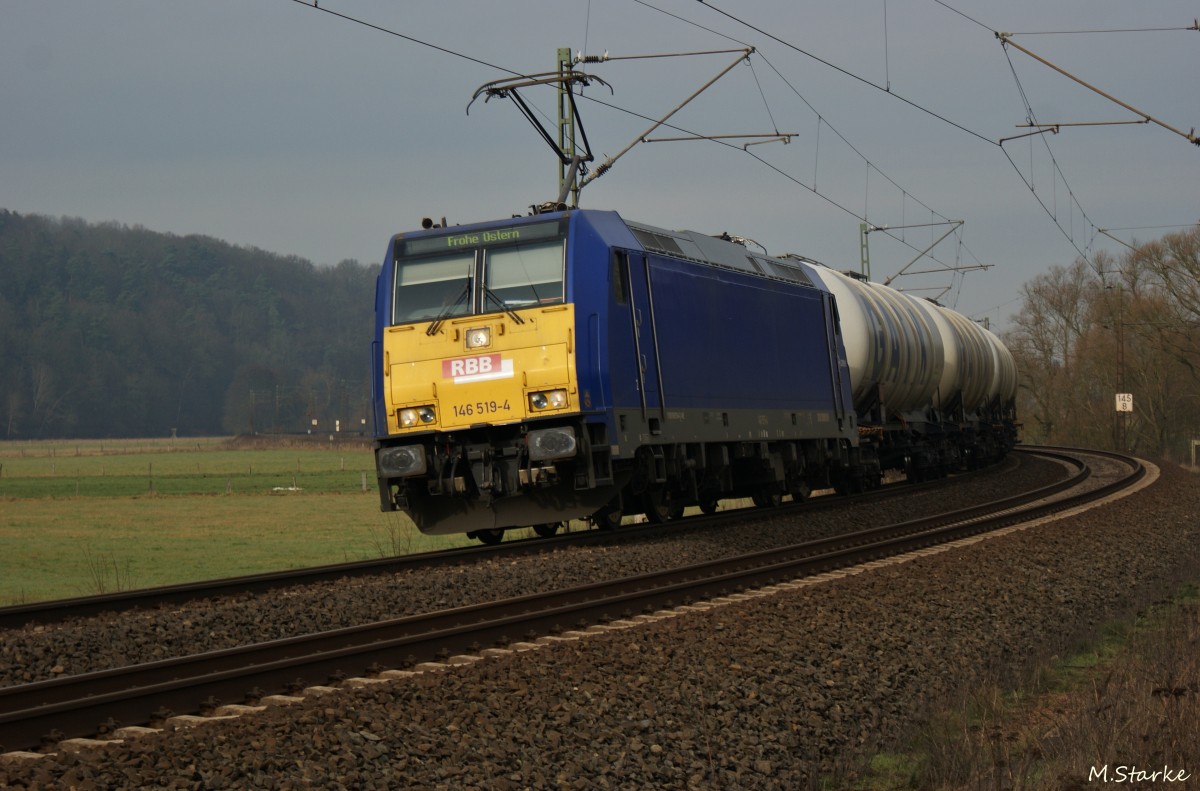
[
  {"x": 608, "y": 517},
  {"x": 661, "y": 505},
  {"x": 767, "y": 497},
  {"x": 547, "y": 530},
  {"x": 799, "y": 490},
  {"x": 490, "y": 537},
  {"x": 850, "y": 483}
]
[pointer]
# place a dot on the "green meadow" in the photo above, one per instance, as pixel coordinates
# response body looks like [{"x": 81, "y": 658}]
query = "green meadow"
[{"x": 87, "y": 517}]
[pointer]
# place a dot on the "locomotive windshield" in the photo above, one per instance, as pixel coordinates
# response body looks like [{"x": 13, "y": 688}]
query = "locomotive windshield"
[
  {"x": 441, "y": 277},
  {"x": 525, "y": 274},
  {"x": 434, "y": 286}
]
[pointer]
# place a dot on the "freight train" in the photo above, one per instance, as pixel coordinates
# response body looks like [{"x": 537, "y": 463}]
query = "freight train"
[{"x": 576, "y": 365}]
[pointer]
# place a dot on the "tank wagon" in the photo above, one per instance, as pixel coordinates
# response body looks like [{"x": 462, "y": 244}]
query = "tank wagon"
[{"x": 575, "y": 365}]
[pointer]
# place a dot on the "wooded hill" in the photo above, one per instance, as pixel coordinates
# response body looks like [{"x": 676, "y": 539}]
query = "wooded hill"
[{"x": 115, "y": 331}]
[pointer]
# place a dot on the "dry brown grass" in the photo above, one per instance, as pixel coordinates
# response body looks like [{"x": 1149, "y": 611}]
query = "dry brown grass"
[{"x": 1132, "y": 708}]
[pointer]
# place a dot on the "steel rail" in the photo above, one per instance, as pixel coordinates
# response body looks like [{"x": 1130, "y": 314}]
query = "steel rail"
[
  {"x": 58, "y": 610},
  {"x": 73, "y": 705}
]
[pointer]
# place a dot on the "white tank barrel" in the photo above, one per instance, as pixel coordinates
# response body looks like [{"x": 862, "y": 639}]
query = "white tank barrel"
[
  {"x": 891, "y": 343},
  {"x": 918, "y": 353},
  {"x": 977, "y": 361},
  {"x": 1004, "y": 383}
]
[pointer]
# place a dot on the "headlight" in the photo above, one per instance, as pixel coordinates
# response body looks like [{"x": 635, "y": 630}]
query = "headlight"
[
  {"x": 548, "y": 399},
  {"x": 551, "y": 443},
  {"x": 402, "y": 462},
  {"x": 479, "y": 338},
  {"x": 413, "y": 416}
]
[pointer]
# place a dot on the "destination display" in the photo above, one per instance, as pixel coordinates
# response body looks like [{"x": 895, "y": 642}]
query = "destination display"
[{"x": 481, "y": 238}]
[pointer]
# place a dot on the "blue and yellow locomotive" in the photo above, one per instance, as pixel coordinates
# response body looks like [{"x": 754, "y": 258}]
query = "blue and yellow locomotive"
[{"x": 573, "y": 365}]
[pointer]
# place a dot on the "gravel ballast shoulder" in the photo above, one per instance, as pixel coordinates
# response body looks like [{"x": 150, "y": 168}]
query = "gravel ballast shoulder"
[{"x": 767, "y": 692}]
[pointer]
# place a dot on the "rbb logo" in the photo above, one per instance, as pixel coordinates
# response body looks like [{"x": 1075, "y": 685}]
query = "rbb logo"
[{"x": 470, "y": 366}]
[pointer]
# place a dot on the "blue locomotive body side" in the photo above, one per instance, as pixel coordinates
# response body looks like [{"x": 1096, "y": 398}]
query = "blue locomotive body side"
[
  {"x": 731, "y": 341},
  {"x": 688, "y": 350}
]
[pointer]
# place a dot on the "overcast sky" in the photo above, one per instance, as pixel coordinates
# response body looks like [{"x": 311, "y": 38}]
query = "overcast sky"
[{"x": 276, "y": 125}]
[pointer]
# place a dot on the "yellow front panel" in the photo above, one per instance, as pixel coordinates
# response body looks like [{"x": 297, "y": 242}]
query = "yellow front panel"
[{"x": 480, "y": 369}]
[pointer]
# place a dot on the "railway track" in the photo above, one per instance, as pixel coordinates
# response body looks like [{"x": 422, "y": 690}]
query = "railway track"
[
  {"x": 47, "y": 612},
  {"x": 72, "y": 706}
]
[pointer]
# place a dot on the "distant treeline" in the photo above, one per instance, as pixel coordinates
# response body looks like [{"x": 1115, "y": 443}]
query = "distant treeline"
[
  {"x": 115, "y": 331},
  {"x": 1114, "y": 324}
]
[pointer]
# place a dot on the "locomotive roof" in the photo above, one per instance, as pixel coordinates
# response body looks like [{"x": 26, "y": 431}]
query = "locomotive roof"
[{"x": 721, "y": 252}]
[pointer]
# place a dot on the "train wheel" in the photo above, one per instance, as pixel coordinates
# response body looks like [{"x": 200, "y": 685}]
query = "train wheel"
[
  {"x": 547, "y": 530},
  {"x": 767, "y": 497},
  {"x": 799, "y": 490},
  {"x": 661, "y": 506},
  {"x": 490, "y": 537},
  {"x": 850, "y": 483},
  {"x": 608, "y": 517},
  {"x": 709, "y": 506}
]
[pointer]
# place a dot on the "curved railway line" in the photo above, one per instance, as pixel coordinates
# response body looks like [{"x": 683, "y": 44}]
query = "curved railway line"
[
  {"x": 72, "y": 706},
  {"x": 47, "y": 612}
]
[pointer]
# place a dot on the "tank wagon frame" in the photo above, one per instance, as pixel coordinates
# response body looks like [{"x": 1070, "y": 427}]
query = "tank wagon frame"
[{"x": 575, "y": 365}]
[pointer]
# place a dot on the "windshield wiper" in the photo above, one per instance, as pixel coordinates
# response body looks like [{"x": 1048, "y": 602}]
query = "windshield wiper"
[
  {"x": 446, "y": 311},
  {"x": 512, "y": 314}
]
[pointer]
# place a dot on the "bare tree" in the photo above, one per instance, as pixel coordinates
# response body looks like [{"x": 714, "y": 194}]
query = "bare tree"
[
  {"x": 1044, "y": 343},
  {"x": 1128, "y": 324}
]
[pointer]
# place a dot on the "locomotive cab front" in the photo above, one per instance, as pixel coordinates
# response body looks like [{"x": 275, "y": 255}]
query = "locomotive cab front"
[{"x": 477, "y": 406}]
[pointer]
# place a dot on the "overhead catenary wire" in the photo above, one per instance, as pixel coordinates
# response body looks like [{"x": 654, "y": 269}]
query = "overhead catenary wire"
[
  {"x": 691, "y": 22},
  {"x": 869, "y": 166},
  {"x": 691, "y": 136},
  {"x": 766, "y": 104},
  {"x": 820, "y": 119},
  {"x": 412, "y": 39},
  {"x": 848, "y": 73},
  {"x": 1069, "y": 235},
  {"x": 781, "y": 172},
  {"x": 608, "y": 163},
  {"x": 1195, "y": 26},
  {"x": 965, "y": 16}
]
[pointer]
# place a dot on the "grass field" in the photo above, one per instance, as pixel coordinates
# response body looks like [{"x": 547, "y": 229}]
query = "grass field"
[{"x": 79, "y": 518}]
